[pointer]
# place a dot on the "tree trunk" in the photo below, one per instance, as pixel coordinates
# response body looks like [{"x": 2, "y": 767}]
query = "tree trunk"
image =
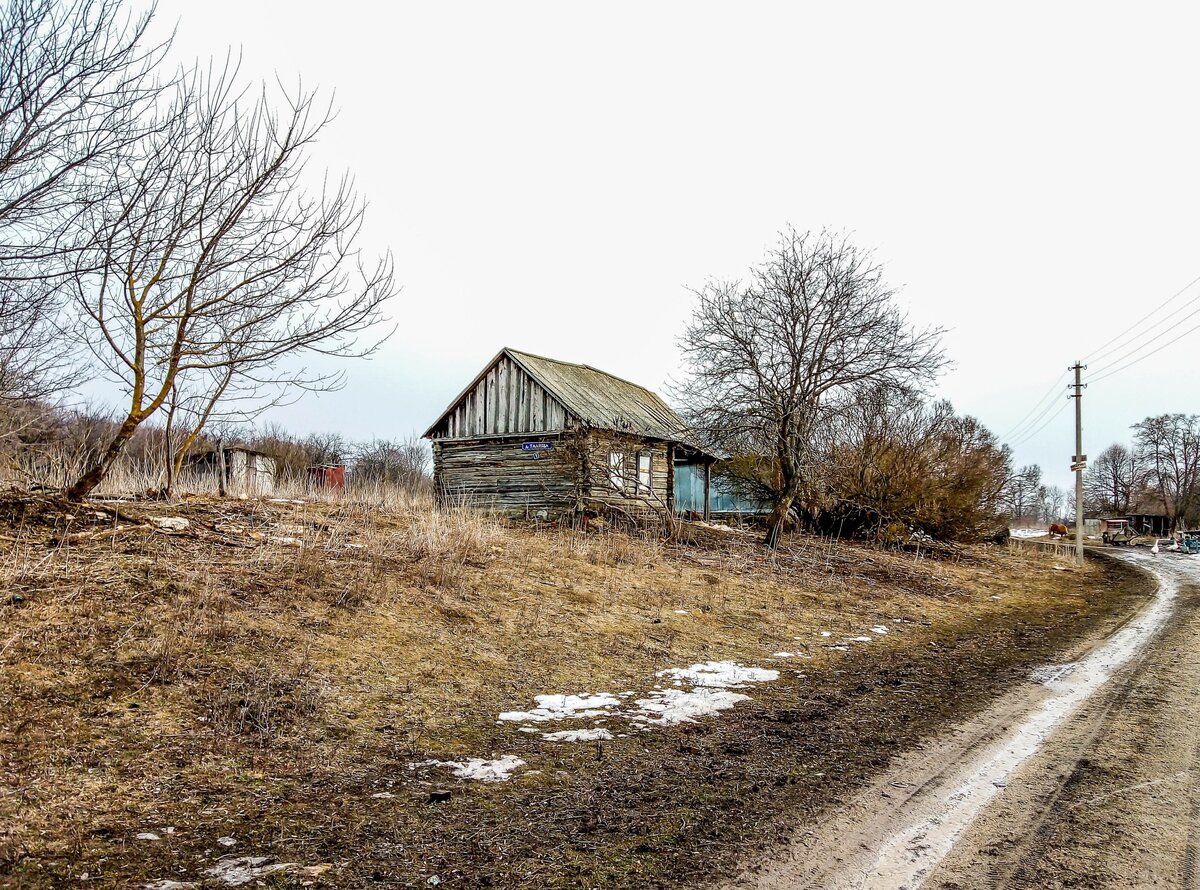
[
  {"x": 96, "y": 473},
  {"x": 778, "y": 518}
]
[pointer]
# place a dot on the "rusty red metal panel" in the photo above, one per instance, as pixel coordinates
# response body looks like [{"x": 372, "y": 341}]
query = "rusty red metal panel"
[{"x": 328, "y": 477}]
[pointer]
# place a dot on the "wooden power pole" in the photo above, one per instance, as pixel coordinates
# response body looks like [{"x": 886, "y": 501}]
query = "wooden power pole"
[{"x": 1079, "y": 461}]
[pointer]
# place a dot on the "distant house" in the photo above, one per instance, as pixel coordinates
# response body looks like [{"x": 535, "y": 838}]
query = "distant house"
[
  {"x": 247, "y": 471},
  {"x": 540, "y": 437}
]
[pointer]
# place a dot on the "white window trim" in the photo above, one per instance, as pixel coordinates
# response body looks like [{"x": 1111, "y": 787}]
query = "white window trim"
[
  {"x": 645, "y": 478},
  {"x": 616, "y": 469}
]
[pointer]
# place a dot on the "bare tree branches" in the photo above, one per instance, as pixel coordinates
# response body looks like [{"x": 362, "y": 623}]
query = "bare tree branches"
[
  {"x": 768, "y": 358},
  {"x": 1170, "y": 445},
  {"x": 74, "y": 80},
  {"x": 215, "y": 266}
]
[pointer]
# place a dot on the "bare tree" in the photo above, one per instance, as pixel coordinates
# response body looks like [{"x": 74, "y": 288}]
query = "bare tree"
[
  {"x": 1020, "y": 493},
  {"x": 767, "y": 357},
  {"x": 1113, "y": 480},
  {"x": 217, "y": 268},
  {"x": 75, "y": 78},
  {"x": 1170, "y": 444}
]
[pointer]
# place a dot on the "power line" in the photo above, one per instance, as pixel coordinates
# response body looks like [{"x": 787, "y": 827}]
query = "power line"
[
  {"x": 1023, "y": 422},
  {"x": 1096, "y": 353},
  {"x": 1166, "y": 319},
  {"x": 1137, "y": 349},
  {"x": 1148, "y": 354},
  {"x": 1037, "y": 419},
  {"x": 1047, "y": 422}
]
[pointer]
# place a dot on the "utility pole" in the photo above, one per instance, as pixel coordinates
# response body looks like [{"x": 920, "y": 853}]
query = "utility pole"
[{"x": 1079, "y": 461}]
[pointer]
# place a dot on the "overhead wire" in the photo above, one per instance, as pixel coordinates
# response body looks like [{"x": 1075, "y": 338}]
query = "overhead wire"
[
  {"x": 1024, "y": 421},
  {"x": 1044, "y": 424},
  {"x": 1107, "y": 365},
  {"x": 1103, "y": 350},
  {"x": 1142, "y": 358}
]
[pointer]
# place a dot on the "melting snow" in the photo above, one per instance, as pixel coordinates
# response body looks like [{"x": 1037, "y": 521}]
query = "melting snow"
[
  {"x": 673, "y": 706},
  {"x": 879, "y": 629},
  {"x": 578, "y": 735},
  {"x": 826, "y": 633},
  {"x": 226, "y": 841},
  {"x": 148, "y": 836},
  {"x": 558, "y": 707},
  {"x": 859, "y": 640},
  {"x": 722, "y": 674},
  {"x": 1027, "y": 532},
  {"x": 483, "y": 770}
]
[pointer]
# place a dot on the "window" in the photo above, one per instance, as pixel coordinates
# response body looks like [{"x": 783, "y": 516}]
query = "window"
[
  {"x": 616, "y": 469},
  {"x": 643, "y": 472}
]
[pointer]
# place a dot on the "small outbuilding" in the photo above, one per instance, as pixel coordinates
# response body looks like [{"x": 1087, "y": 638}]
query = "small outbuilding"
[
  {"x": 246, "y": 471},
  {"x": 542, "y": 438}
]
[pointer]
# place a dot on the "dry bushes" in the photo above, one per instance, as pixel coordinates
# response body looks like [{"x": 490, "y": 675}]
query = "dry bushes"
[{"x": 448, "y": 542}]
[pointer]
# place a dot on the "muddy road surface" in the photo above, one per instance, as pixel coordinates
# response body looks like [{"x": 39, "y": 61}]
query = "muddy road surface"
[{"x": 1088, "y": 776}]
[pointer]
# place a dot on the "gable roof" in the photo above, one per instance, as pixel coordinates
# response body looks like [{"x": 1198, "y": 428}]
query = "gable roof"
[{"x": 596, "y": 399}]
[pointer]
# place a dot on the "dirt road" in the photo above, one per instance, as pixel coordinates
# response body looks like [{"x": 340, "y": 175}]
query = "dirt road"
[{"x": 1085, "y": 777}]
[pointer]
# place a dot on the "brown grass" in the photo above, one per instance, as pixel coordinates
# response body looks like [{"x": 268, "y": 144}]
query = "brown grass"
[{"x": 268, "y": 669}]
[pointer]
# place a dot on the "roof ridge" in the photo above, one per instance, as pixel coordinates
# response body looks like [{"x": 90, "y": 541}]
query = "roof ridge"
[{"x": 588, "y": 367}]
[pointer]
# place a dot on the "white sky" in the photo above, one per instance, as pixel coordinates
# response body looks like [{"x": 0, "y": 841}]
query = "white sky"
[{"x": 553, "y": 177}]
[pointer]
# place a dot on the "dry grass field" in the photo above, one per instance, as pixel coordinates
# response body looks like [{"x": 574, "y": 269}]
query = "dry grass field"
[{"x": 266, "y": 694}]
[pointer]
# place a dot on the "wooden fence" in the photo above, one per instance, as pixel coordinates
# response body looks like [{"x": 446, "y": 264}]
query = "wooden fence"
[{"x": 1063, "y": 548}]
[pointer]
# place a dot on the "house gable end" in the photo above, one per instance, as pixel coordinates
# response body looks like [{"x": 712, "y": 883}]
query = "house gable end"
[{"x": 505, "y": 398}]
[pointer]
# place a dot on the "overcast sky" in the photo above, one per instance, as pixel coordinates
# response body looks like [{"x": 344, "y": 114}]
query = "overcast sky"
[{"x": 554, "y": 177}]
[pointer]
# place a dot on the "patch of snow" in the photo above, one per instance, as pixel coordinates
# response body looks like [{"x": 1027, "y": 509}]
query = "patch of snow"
[
  {"x": 383, "y": 795},
  {"x": 783, "y": 654},
  {"x": 1027, "y": 532},
  {"x": 682, "y": 612},
  {"x": 578, "y": 735},
  {"x": 721, "y": 674},
  {"x": 168, "y": 884},
  {"x": 238, "y": 870},
  {"x": 859, "y": 640},
  {"x": 672, "y": 706},
  {"x": 560, "y": 707},
  {"x": 826, "y": 633},
  {"x": 226, "y": 841},
  {"x": 481, "y": 770},
  {"x": 840, "y": 648},
  {"x": 147, "y": 836},
  {"x": 879, "y": 629}
]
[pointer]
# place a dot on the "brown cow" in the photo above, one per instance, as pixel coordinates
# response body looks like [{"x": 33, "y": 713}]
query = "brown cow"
[{"x": 1058, "y": 530}]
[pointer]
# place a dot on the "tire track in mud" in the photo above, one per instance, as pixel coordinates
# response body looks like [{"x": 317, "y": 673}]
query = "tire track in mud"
[
  {"x": 985, "y": 807},
  {"x": 1112, "y": 801}
]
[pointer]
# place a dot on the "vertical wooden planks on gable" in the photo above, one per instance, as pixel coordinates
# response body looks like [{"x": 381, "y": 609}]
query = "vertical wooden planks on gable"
[
  {"x": 502, "y": 396},
  {"x": 489, "y": 408},
  {"x": 537, "y": 413},
  {"x": 522, "y": 424}
]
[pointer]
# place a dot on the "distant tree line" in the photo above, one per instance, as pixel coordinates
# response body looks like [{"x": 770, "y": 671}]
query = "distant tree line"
[{"x": 160, "y": 230}]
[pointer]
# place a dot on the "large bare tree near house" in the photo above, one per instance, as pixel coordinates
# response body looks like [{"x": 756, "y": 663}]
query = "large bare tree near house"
[
  {"x": 75, "y": 79},
  {"x": 767, "y": 356},
  {"x": 221, "y": 262},
  {"x": 1170, "y": 448}
]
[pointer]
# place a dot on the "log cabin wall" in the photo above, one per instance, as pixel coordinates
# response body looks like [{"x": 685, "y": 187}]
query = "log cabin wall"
[
  {"x": 505, "y": 400},
  {"x": 537, "y": 477},
  {"x": 626, "y": 472}
]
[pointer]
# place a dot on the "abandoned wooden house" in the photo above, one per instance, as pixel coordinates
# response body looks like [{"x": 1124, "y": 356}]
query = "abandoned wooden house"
[{"x": 542, "y": 438}]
